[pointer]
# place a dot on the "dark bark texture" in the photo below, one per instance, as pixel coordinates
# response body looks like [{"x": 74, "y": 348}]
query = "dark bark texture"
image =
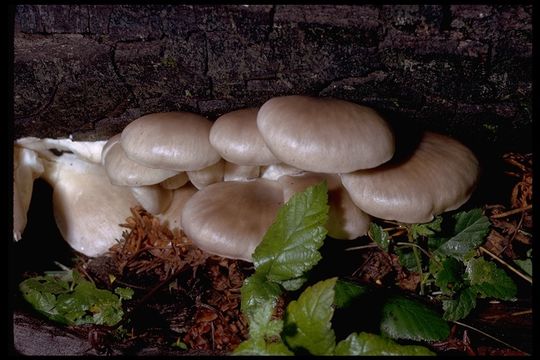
[{"x": 88, "y": 70}]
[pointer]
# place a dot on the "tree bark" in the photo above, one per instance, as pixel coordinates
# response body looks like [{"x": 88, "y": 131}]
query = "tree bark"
[{"x": 88, "y": 70}]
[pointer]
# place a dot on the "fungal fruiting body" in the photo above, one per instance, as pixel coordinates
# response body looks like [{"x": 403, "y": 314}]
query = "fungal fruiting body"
[{"x": 223, "y": 182}]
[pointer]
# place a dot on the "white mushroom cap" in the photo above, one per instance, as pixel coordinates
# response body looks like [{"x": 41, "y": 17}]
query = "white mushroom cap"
[
  {"x": 439, "y": 176},
  {"x": 87, "y": 207},
  {"x": 175, "y": 181},
  {"x": 209, "y": 175},
  {"x": 86, "y": 150},
  {"x": 324, "y": 134},
  {"x": 345, "y": 220},
  {"x": 235, "y": 172},
  {"x": 153, "y": 198},
  {"x": 230, "y": 218},
  {"x": 172, "y": 140},
  {"x": 125, "y": 172},
  {"x": 172, "y": 217},
  {"x": 237, "y": 139},
  {"x": 274, "y": 172}
]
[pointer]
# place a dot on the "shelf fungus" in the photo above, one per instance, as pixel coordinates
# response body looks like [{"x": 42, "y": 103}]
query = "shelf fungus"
[{"x": 87, "y": 207}]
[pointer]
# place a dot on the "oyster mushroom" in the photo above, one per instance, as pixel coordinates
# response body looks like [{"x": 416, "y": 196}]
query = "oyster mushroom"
[
  {"x": 345, "y": 220},
  {"x": 87, "y": 207},
  {"x": 171, "y": 140},
  {"x": 27, "y": 167},
  {"x": 230, "y": 218},
  {"x": 439, "y": 175},
  {"x": 324, "y": 134}
]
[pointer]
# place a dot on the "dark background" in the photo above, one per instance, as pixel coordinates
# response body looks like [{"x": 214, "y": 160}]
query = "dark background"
[{"x": 88, "y": 70}]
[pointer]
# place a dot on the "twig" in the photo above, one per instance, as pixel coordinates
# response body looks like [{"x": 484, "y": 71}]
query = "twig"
[
  {"x": 510, "y": 267},
  {"x": 511, "y": 212},
  {"x": 519, "y": 313},
  {"x": 489, "y": 336}
]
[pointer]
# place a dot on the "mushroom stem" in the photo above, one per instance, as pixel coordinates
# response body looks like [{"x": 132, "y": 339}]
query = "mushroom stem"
[{"x": 27, "y": 167}]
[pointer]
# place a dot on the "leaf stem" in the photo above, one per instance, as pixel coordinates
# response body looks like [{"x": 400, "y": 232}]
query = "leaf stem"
[
  {"x": 418, "y": 247},
  {"x": 489, "y": 336},
  {"x": 510, "y": 267}
]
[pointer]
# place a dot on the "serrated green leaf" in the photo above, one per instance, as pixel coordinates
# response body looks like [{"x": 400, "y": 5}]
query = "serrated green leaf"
[
  {"x": 469, "y": 232},
  {"x": 489, "y": 280},
  {"x": 406, "y": 258},
  {"x": 379, "y": 236},
  {"x": 448, "y": 274},
  {"x": 427, "y": 229},
  {"x": 461, "y": 306},
  {"x": 372, "y": 345},
  {"x": 293, "y": 284},
  {"x": 256, "y": 292},
  {"x": 308, "y": 320},
  {"x": 71, "y": 300},
  {"x": 403, "y": 318},
  {"x": 259, "y": 346},
  {"x": 124, "y": 293},
  {"x": 346, "y": 292},
  {"x": 434, "y": 242},
  {"x": 290, "y": 246},
  {"x": 45, "y": 284},
  {"x": 261, "y": 323}
]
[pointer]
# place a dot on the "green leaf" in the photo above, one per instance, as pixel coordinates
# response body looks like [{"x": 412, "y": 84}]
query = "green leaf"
[
  {"x": 379, "y": 236},
  {"x": 403, "y": 318},
  {"x": 259, "y": 346},
  {"x": 256, "y": 292},
  {"x": 427, "y": 229},
  {"x": 371, "y": 344},
  {"x": 290, "y": 246},
  {"x": 525, "y": 265},
  {"x": 67, "y": 298},
  {"x": 346, "y": 292},
  {"x": 406, "y": 258},
  {"x": 261, "y": 323},
  {"x": 469, "y": 232},
  {"x": 124, "y": 293},
  {"x": 489, "y": 280},
  {"x": 448, "y": 274},
  {"x": 308, "y": 320},
  {"x": 461, "y": 306}
]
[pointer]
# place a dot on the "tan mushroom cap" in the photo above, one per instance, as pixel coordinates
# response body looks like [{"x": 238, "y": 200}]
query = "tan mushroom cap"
[
  {"x": 230, "y": 218},
  {"x": 237, "y": 139},
  {"x": 235, "y": 172},
  {"x": 345, "y": 220},
  {"x": 209, "y": 175},
  {"x": 324, "y": 134},
  {"x": 153, "y": 198},
  {"x": 439, "y": 176},
  {"x": 125, "y": 172},
  {"x": 176, "y": 181},
  {"x": 172, "y": 217},
  {"x": 171, "y": 140}
]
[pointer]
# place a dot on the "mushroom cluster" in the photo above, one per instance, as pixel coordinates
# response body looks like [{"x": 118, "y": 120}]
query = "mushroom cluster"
[{"x": 222, "y": 183}]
